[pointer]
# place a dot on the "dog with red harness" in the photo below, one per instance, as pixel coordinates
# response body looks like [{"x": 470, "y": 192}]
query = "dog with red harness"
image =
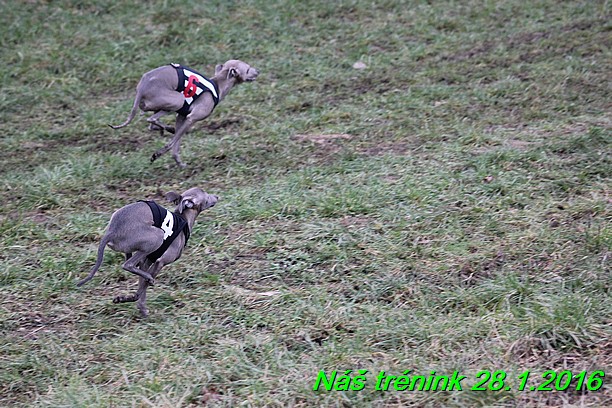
[{"x": 175, "y": 88}]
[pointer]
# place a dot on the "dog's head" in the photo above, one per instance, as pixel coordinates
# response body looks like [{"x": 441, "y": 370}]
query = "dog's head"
[
  {"x": 240, "y": 70},
  {"x": 194, "y": 198}
]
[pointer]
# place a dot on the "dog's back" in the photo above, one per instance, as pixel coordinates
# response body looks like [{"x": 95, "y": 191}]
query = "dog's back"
[{"x": 131, "y": 229}]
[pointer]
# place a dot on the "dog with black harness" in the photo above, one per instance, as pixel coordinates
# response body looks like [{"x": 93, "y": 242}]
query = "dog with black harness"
[{"x": 151, "y": 237}]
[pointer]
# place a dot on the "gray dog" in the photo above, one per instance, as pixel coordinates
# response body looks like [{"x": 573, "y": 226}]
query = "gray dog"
[
  {"x": 175, "y": 88},
  {"x": 151, "y": 237}
]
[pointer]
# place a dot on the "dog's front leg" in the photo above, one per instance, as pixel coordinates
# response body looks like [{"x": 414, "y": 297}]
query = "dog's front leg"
[
  {"x": 142, "y": 303},
  {"x": 186, "y": 124},
  {"x": 142, "y": 298},
  {"x": 176, "y": 148}
]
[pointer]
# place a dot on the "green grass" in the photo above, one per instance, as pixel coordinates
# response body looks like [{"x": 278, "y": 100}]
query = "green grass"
[{"x": 447, "y": 208}]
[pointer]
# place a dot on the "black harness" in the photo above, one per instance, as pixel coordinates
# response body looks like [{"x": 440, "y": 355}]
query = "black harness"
[
  {"x": 171, "y": 223},
  {"x": 192, "y": 85}
]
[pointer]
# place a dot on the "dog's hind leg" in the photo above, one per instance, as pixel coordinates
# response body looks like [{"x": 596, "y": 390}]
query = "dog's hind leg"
[
  {"x": 156, "y": 124},
  {"x": 131, "y": 265},
  {"x": 141, "y": 294},
  {"x": 142, "y": 287}
]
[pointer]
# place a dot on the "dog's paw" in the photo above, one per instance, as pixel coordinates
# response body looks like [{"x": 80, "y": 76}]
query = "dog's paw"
[{"x": 125, "y": 299}]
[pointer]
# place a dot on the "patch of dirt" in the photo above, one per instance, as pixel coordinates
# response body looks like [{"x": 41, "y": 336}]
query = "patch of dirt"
[
  {"x": 125, "y": 144},
  {"x": 514, "y": 144},
  {"x": 519, "y": 144},
  {"x": 533, "y": 356},
  {"x": 354, "y": 221},
  {"x": 213, "y": 126},
  {"x": 33, "y": 145},
  {"x": 529, "y": 39},
  {"x": 332, "y": 143},
  {"x": 26, "y": 148},
  {"x": 249, "y": 295},
  {"x": 322, "y": 140},
  {"x": 523, "y": 137},
  {"x": 396, "y": 148},
  {"x": 40, "y": 217},
  {"x": 207, "y": 394},
  {"x": 530, "y": 131},
  {"x": 335, "y": 90},
  {"x": 28, "y": 319},
  {"x": 326, "y": 144},
  {"x": 480, "y": 49},
  {"x": 472, "y": 272}
]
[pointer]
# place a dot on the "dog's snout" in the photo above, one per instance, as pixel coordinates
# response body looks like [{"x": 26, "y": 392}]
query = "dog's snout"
[{"x": 252, "y": 74}]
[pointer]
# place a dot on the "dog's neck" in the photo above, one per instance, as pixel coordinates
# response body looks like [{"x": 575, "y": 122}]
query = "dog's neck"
[
  {"x": 224, "y": 84},
  {"x": 189, "y": 214}
]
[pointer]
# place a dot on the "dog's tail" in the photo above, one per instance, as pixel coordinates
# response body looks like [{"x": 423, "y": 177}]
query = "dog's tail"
[
  {"x": 105, "y": 240},
  {"x": 132, "y": 112}
]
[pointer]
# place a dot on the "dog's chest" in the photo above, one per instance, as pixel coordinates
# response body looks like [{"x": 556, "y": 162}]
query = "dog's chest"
[
  {"x": 170, "y": 223},
  {"x": 193, "y": 85}
]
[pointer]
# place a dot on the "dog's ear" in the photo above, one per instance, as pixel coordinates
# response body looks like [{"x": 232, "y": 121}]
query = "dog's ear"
[
  {"x": 185, "y": 203},
  {"x": 232, "y": 73},
  {"x": 218, "y": 68},
  {"x": 173, "y": 197}
]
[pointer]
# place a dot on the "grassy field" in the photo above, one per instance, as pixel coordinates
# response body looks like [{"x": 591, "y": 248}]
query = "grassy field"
[{"x": 444, "y": 205}]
